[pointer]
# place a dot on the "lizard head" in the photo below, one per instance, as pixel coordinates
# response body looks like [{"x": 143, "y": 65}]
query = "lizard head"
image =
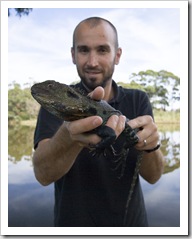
[{"x": 60, "y": 100}]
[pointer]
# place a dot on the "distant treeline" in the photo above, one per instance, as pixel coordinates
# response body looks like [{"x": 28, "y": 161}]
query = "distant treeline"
[
  {"x": 21, "y": 105},
  {"x": 162, "y": 88}
]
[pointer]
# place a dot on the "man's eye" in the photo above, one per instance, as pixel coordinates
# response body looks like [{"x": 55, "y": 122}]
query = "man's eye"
[
  {"x": 83, "y": 50},
  {"x": 102, "y": 50}
]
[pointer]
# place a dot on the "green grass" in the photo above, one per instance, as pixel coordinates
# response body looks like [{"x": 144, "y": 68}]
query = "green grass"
[
  {"x": 169, "y": 117},
  {"x": 31, "y": 123}
]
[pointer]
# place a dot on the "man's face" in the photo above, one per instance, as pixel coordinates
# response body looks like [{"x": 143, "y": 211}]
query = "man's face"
[{"x": 95, "y": 54}]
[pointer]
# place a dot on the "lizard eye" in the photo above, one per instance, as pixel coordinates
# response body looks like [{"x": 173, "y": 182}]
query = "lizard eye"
[{"x": 50, "y": 85}]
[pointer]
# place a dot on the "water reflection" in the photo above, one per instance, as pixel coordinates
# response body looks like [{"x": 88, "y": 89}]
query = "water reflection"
[
  {"x": 20, "y": 142},
  {"x": 171, "y": 149},
  {"x": 31, "y": 205},
  {"x": 21, "y": 146},
  {"x": 163, "y": 200}
]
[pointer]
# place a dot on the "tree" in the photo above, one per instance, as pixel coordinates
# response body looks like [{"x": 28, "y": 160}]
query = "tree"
[
  {"x": 162, "y": 87},
  {"x": 21, "y": 105},
  {"x": 131, "y": 85},
  {"x": 20, "y": 11}
]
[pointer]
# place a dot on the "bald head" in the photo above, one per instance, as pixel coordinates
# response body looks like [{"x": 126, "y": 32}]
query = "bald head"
[{"x": 93, "y": 22}]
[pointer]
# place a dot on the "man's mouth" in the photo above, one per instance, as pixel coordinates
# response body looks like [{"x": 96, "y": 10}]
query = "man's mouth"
[{"x": 92, "y": 72}]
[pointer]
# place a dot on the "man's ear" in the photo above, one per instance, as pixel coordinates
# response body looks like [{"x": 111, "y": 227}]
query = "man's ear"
[
  {"x": 118, "y": 55},
  {"x": 73, "y": 55}
]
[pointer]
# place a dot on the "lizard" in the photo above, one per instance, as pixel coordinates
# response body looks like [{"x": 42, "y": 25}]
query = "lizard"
[{"x": 69, "y": 104}]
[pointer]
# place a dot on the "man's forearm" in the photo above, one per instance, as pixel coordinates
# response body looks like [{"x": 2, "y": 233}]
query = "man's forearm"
[
  {"x": 152, "y": 166},
  {"x": 54, "y": 157}
]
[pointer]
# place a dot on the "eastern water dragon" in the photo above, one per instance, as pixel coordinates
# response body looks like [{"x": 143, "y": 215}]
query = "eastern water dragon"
[{"x": 69, "y": 104}]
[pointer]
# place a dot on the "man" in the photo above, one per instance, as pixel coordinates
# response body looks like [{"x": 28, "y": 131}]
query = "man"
[{"x": 88, "y": 191}]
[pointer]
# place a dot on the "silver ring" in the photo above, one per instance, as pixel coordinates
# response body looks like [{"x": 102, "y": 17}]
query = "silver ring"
[{"x": 145, "y": 142}]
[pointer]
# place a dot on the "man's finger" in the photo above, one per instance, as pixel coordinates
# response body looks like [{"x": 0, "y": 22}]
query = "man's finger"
[
  {"x": 97, "y": 94},
  {"x": 140, "y": 121},
  {"x": 84, "y": 125}
]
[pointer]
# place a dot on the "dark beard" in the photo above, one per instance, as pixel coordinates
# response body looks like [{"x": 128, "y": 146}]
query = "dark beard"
[{"x": 90, "y": 85}]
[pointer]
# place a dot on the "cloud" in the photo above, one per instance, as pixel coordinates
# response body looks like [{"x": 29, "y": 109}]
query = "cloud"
[
  {"x": 39, "y": 45},
  {"x": 149, "y": 38}
]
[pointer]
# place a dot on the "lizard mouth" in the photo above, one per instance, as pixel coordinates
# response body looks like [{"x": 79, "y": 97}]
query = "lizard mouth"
[{"x": 34, "y": 94}]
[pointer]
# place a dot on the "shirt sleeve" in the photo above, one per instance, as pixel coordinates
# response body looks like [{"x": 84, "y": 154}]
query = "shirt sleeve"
[
  {"x": 47, "y": 125},
  {"x": 135, "y": 103},
  {"x": 143, "y": 104}
]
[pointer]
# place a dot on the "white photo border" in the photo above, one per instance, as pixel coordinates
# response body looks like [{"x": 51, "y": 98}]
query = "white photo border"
[{"x": 183, "y": 229}]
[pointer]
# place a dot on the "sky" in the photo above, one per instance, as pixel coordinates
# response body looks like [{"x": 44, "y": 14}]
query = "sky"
[{"x": 39, "y": 44}]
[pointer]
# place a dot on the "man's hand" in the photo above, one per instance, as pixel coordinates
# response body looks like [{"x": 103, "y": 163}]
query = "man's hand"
[
  {"x": 148, "y": 135},
  {"x": 78, "y": 129}
]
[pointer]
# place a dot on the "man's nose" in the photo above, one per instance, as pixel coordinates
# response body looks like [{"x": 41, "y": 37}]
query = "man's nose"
[{"x": 92, "y": 60}]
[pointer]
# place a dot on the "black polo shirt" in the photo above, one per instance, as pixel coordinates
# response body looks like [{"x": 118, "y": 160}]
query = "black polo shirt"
[{"x": 91, "y": 194}]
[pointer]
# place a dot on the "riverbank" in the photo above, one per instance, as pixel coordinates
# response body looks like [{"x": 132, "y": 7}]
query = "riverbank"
[
  {"x": 31, "y": 123},
  {"x": 167, "y": 117}
]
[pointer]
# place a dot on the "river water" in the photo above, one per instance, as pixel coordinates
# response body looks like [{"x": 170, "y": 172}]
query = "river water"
[{"x": 31, "y": 205}]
